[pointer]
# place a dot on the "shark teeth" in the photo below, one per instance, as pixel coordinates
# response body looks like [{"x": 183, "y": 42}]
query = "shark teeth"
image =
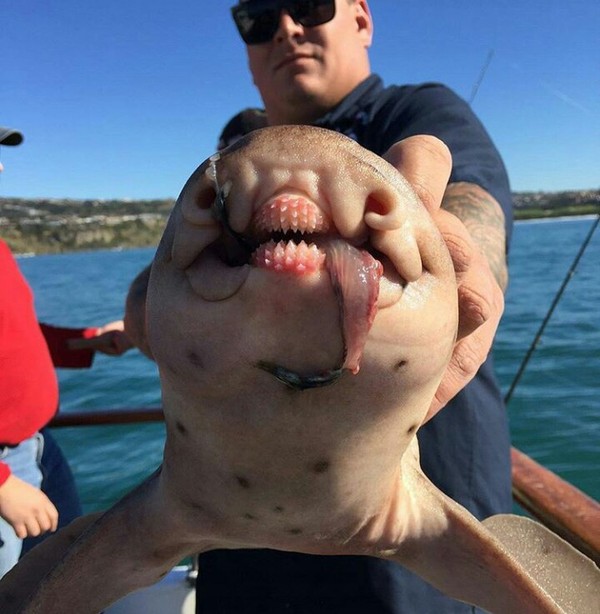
[
  {"x": 291, "y": 213},
  {"x": 289, "y": 257}
]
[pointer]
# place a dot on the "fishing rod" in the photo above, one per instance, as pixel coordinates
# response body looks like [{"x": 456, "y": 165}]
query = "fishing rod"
[
  {"x": 481, "y": 77},
  {"x": 568, "y": 276},
  {"x": 553, "y": 306}
]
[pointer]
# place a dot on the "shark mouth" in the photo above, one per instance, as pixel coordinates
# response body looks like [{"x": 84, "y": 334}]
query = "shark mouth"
[{"x": 291, "y": 235}]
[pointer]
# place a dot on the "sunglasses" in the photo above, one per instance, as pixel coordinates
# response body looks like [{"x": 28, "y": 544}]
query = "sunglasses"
[{"x": 258, "y": 20}]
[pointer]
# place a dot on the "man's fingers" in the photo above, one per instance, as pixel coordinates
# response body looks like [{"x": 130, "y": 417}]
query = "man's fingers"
[
  {"x": 480, "y": 300},
  {"x": 479, "y": 296},
  {"x": 461, "y": 370},
  {"x": 425, "y": 162},
  {"x": 469, "y": 354},
  {"x": 458, "y": 240}
]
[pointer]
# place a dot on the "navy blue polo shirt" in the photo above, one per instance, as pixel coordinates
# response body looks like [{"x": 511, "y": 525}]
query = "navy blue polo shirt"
[{"x": 465, "y": 449}]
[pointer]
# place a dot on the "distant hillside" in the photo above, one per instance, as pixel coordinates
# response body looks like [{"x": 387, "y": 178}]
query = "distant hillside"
[
  {"x": 61, "y": 225},
  {"x": 529, "y": 205},
  {"x": 55, "y": 225}
]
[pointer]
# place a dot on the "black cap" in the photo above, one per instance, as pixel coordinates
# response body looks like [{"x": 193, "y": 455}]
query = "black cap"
[{"x": 8, "y": 136}]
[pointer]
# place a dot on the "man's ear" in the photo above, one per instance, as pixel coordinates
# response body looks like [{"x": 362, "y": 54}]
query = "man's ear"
[{"x": 364, "y": 21}]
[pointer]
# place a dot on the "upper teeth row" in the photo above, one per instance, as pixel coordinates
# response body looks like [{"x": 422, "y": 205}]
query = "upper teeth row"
[{"x": 291, "y": 213}]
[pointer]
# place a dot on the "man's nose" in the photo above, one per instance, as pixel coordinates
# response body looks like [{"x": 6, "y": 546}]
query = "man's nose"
[{"x": 288, "y": 28}]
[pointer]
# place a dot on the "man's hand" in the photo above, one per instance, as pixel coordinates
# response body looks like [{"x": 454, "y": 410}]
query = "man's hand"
[
  {"x": 480, "y": 307},
  {"x": 26, "y": 508},
  {"x": 426, "y": 163}
]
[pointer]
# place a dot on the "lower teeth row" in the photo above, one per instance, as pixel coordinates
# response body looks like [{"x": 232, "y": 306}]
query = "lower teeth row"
[{"x": 290, "y": 257}]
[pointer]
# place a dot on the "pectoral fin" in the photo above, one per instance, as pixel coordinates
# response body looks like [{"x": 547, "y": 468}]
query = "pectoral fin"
[
  {"x": 568, "y": 576},
  {"x": 452, "y": 550},
  {"x": 23, "y": 579},
  {"x": 98, "y": 559}
]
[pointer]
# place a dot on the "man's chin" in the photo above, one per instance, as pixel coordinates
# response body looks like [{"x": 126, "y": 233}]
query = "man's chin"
[{"x": 303, "y": 99}]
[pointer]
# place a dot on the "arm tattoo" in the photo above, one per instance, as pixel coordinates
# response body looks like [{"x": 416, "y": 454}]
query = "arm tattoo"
[{"x": 484, "y": 219}]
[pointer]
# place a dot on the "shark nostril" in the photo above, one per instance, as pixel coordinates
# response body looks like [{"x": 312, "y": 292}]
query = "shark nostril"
[{"x": 375, "y": 205}]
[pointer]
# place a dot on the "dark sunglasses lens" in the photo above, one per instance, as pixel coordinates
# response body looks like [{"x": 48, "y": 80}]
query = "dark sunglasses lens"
[
  {"x": 311, "y": 13},
  {"x": 256, "y": 22}
]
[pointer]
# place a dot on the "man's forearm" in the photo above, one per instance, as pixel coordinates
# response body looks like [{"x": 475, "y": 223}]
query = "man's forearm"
[{"x": 484, "y": 219}]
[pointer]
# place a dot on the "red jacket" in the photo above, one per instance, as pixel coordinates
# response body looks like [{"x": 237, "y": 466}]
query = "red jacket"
[{"x": 28, "y": 354}]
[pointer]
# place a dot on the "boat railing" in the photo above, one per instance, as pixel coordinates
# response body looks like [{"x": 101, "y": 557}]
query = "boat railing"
[{"x": 557, "y": 504}]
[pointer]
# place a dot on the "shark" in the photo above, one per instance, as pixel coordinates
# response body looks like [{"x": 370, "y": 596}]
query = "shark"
[{"x": 302, "y": 309}]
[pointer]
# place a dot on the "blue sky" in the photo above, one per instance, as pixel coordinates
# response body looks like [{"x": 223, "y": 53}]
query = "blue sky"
[{"x": 124, "y": 98}]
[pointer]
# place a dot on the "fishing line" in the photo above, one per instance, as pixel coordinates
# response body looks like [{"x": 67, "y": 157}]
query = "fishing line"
[
  {"x": 555, "y": 302},
  {"x": 481, "y": 77}
]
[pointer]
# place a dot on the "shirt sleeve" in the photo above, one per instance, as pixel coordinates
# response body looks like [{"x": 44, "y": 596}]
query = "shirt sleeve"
[
  {"x": 4, "y": 473},
  {"x": 436, "y": 110},
  {"x": 62, "y": 355}
]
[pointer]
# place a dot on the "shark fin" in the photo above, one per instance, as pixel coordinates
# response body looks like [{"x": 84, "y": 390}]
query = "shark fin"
[{"x": 566, "y": 574}]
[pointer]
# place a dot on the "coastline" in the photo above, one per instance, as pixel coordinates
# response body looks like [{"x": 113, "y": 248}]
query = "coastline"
[{"x": 54, "y": 226}]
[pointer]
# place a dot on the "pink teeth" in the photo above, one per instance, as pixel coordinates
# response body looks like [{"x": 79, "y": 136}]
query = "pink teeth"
[
  {"x": 288, "y": 212},
  {"x": 289, "y": 257}
]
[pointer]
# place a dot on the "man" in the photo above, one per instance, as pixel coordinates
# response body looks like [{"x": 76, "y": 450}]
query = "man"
[{"x": 310, "y": 63}]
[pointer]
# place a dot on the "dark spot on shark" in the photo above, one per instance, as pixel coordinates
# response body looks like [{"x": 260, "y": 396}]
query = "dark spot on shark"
[
  {"x": 242, "y": 481},
  {"x": 295, "y": 531},
  {"x": 173, "y": 368},
  {"x": 180, "y": 428},
  {"x": 193, "y": 504},
  {"x": 248, "y": 516},
  {"x": 321, "y": 466},
  {"x": 195, "y": 359},
  {"x": 278, "y": 509},
  {"x": 547, "y": 549}
]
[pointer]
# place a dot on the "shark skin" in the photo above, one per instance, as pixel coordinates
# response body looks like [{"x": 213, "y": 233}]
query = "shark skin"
[{"x": 294, "y": 382}]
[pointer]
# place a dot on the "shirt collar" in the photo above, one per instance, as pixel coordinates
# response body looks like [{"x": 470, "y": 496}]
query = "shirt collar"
[{"x": 361, "y": 96}]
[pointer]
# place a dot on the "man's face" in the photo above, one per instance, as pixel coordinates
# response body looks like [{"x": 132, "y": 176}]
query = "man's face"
[{"x": 303, "y": 72}]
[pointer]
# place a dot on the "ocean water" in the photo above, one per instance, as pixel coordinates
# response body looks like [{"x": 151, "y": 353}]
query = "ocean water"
[{"x": 554, "y": 411}]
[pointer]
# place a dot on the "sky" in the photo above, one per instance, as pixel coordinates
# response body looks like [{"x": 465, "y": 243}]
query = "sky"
[{"x": 124, "y": 98}]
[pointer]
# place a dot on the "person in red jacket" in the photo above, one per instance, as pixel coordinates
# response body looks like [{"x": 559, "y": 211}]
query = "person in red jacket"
[{"x": 29, "y": 353}]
